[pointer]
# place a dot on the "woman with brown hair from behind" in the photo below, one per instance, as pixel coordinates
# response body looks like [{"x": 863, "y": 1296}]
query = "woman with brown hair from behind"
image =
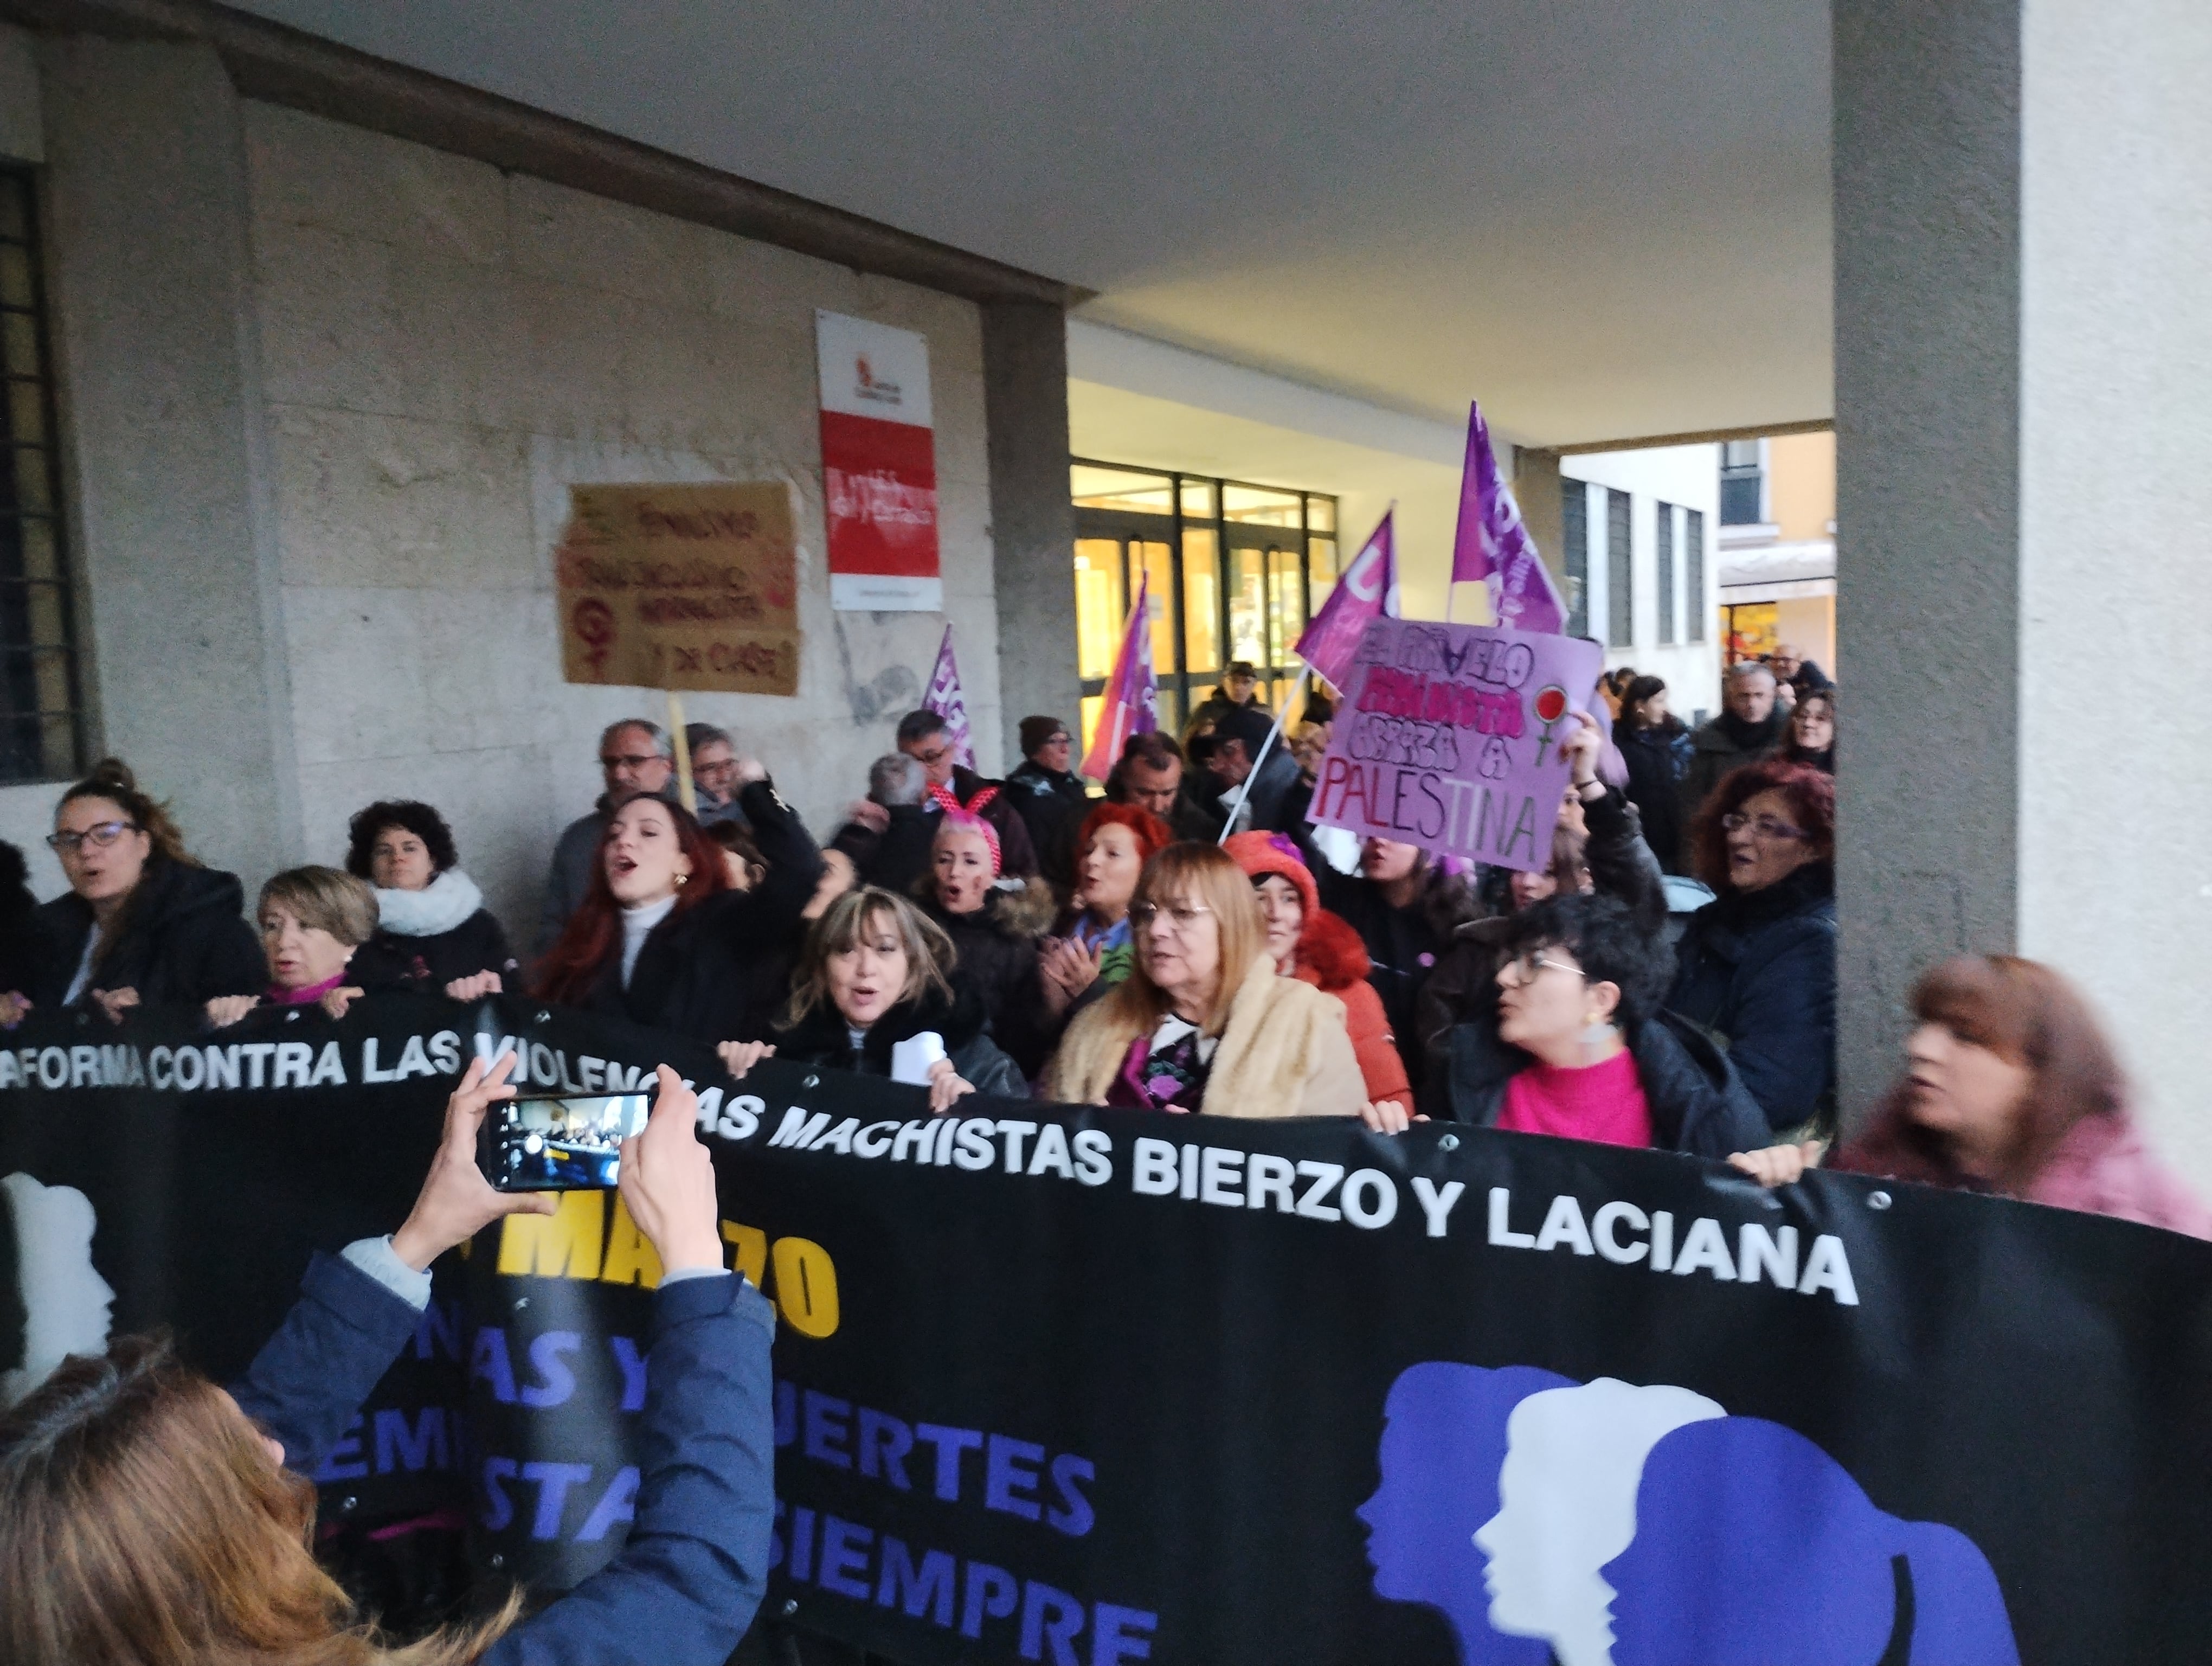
[
  {"x": 144, "y": 1518},
  {"x": 143, "y": 923},
  {"x": 2011, "y": 1087}
]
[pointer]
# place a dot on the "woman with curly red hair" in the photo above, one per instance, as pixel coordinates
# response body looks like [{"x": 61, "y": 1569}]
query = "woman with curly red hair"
[
  {"x": 1091, "y": 949},
  {"x": 1310, "y": 944},
  {"x": 1756, "y": 967}
]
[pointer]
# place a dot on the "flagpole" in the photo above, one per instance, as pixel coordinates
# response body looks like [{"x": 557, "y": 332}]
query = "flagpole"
[
  {"x": 680, "y": 744},
  {"x": 1244, "y": 788}
]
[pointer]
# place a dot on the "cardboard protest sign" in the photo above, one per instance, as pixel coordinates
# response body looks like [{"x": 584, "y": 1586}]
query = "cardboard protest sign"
[
  {"x": 1449, "y": 738},
  {"x": 667, "y": 587}
]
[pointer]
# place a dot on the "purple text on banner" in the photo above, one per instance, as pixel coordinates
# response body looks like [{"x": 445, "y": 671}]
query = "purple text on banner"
[{"x": 1448, "y": 737}]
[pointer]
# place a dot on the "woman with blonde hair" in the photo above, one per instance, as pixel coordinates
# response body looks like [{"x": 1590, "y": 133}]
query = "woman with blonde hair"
[
  {"x": 313, "y": 921},
  {"x": 1203, "y": 1023},
  {"x": 878, "y": 972}
]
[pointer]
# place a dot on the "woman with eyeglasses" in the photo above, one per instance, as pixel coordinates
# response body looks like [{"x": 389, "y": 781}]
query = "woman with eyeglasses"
[
  {"x": 143, "y": 923},
  {"x": 1756, "y": 967},
  {"x": 1582, "y": 1050},
  {"x": 1203, "y": 1023}
]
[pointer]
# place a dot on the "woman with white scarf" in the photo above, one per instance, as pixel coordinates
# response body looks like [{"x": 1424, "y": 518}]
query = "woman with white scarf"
[{"x": 432, "y": 929}]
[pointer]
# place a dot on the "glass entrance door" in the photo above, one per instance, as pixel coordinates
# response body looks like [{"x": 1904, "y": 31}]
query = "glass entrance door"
[{"x": 1109, "y": 564}]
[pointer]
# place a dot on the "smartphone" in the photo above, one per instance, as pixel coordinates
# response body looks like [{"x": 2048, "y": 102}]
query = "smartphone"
[{"x": 558, "y": 1145}]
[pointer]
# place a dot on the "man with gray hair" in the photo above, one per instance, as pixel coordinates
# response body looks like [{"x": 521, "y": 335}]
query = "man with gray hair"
[
  {"x": 713, "y": 773},
  {"x": 889, "y": 832},
  {"x": 1750, "y": 725},
  {"x": 633, "y": 758}
]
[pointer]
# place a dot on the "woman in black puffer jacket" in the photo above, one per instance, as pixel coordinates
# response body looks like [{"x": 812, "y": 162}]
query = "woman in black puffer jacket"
[
  {"x": 143, "y": 923},
  {"x": 993, "y": 923},
  {"x": 878, "y": 972}
]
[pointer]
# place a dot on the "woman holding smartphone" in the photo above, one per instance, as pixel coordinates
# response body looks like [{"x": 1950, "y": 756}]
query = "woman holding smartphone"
[{"x": 224, "y": 1569}]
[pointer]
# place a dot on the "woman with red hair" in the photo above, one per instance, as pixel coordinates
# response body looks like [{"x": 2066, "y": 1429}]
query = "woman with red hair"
[
  {"x": 1310, "y": 944},
  {"x": 661, "y": 939},
  {"x": 2011, "y": 1087},
  {"x": 1090, "y": 951},
  {"x": 1756, "y": 967}
]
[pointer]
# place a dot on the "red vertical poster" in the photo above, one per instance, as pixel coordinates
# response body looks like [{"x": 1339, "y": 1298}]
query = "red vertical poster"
[{"x": 878, "y": 467}]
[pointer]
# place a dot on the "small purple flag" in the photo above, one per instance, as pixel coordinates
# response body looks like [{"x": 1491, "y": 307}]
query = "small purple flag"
[
  {"x": 944, "y": 699},
  {"x": 1130, "y": 691},
  {"x": 1493, "y": 547},
  {"x": 1365, "y": 590}
]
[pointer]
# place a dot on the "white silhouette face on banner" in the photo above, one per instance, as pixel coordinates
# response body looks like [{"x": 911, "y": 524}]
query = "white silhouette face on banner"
[
  {"x": 66, "y": 1303},
  {"x": 1566, "y": 1500}
]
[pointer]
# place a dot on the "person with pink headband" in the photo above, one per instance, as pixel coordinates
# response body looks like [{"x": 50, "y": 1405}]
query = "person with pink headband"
[{"x": 994, "y": 920}]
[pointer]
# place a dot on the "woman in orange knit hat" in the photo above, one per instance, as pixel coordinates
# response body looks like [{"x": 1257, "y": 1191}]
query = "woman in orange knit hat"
[{"x": 1317, "y": 947}]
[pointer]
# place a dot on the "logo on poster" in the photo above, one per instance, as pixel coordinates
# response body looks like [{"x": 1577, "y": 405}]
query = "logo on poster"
[{"x": 865, "y": 386}]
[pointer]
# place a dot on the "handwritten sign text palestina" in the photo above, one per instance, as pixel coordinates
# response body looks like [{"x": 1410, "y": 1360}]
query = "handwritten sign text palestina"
[{"x": 1448, "y": 737}]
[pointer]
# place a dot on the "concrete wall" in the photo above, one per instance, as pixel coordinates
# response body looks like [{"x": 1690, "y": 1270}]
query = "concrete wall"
[
  {"x": 328, "y": 390},
  {"x": 1688, "y": 476}
]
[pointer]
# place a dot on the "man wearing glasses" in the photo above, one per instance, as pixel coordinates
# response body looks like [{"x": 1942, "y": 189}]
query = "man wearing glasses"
[
  {"x": 922, "y": 737},
  {"x": 633, "y": 759}
]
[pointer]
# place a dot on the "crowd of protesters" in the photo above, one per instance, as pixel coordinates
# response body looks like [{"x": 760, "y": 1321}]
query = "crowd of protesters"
[{"x": 1190, "y": 941}]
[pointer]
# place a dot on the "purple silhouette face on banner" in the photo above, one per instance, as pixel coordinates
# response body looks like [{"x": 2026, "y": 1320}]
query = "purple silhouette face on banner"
[
  {"x": 1442, "y": 1449},
  {"x": 1753, "y": 1546}
]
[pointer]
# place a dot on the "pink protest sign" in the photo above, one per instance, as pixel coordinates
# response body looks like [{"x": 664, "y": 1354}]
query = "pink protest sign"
[{"x": 1448, "y": 737}]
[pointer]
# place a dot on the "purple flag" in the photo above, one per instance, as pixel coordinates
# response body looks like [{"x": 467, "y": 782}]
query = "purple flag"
[
  {"x": 1129, "y": 708},
  {"x": 944, "y": 699},
  {"x": 1493, "y": 547},
  {"x": 1366, "y": 590}
]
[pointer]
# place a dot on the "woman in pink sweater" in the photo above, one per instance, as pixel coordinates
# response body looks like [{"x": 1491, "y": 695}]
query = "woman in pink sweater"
[{"x": 2011, "y": 1087}]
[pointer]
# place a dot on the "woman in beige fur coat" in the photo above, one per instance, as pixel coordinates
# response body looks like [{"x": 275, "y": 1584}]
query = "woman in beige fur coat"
[{"x": 1203, "y": 1023}]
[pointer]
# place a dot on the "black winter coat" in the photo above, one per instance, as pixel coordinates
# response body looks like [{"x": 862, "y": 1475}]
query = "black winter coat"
[
  {"x": 1756, "y": 970},
  {"x": 1052, "y": 805},
  {"x": 715, "y": 971},
  {"x": 823, "y": 1037},
  {"x": 1657, "y": 760},
  {"x": 997, "y": 953},
  {"x": 427, "y": 964},
  {"x": 1699, "y": 1103},
  {"x": 896, "y": 857},
  {"x": 184, "y": 941}
]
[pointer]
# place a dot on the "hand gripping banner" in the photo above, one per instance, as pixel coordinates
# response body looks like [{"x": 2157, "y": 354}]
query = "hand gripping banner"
[{"x": 1091, "y": 1386}]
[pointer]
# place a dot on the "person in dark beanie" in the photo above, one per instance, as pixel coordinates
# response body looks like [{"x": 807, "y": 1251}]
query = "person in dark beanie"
[
  {"x": 1237, "y": 692},
  {"x": 1654, "y": 744},
  {"x": 1050, "y": 798}
]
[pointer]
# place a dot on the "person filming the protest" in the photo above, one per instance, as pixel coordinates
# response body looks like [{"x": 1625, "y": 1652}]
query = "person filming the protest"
[
  {"x": 877, "y": 973},
  {"x": 1203, "y": 1023},
  {"x": 146, "y": 1515},
  {"x": 2012, "y": 1087},
  {"x": 660, "y": 938},
  {"x": 143, "y": 923},
  {"x": 313, "y": 921},
  {"x": 432, "y": 927},
  {"x": 1580, "y": 1050}
]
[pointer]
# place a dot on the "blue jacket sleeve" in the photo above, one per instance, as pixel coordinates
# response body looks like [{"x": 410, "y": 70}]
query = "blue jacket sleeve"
[
  {"x": 309, "y": 1378},
  {"x": 683, "y": 1589}
]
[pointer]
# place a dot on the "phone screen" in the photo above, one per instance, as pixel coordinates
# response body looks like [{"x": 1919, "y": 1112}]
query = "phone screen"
[{"x": 558, "y": 1145}]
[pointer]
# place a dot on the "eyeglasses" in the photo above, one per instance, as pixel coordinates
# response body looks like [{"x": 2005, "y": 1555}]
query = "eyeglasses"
[
  {"x": 935, "y": 755},
  {"x": 1181, "y": 916},
  {"x": 1526, "y": 967},
  {"x": 98, "y": 836},
  {"x": 1763, "y": 827},
  {"x": 628, "y": 760}
]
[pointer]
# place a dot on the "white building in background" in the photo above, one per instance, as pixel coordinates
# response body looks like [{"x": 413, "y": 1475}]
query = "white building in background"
[{"x": 1638, "y": 543}]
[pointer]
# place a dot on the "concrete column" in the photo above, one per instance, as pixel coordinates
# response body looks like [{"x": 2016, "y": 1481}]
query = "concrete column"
[
  {"x": 150, "y": 268},
  {"x": 2023, "y": 220},
  {"x": 1032, "y": 519},
  {"x": 1536, "y": 486}
]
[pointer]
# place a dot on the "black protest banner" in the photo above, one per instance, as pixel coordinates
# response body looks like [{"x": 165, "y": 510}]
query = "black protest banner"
[{"x": 1089, "y": 1386}]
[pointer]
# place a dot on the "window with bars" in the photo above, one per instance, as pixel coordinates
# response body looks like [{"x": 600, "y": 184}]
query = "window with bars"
[
  {"x": 1574, "y": 523},
  {"x": 1620, "y": 573},
  {"x": 1693, "y": 575},
  {"x": 38, "y": 705},
  {"x": 1665, "y": 527}
]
